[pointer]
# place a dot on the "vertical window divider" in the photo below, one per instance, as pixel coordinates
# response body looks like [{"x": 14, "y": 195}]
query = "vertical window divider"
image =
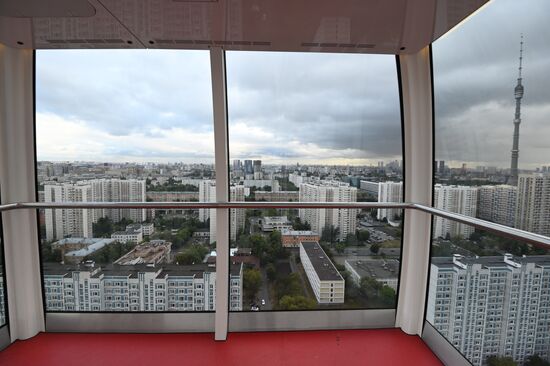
[{"x": 221, "y": 149}]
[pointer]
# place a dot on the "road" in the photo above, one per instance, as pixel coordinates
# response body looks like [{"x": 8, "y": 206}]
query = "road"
[
  {"x": 264, "y": 293},
  {"x": 294, "y": 268}
]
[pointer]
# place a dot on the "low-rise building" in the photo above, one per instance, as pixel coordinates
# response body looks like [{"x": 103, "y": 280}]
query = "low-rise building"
[
  {"x": 293, "y": 238},
  {"x": 74, "y": 250},
  {"x": 271, "y": 223},
  {"x": 382, "y": 270},
  {"x": 153, "y": 252},
  {"x": 325, "y": 280}
]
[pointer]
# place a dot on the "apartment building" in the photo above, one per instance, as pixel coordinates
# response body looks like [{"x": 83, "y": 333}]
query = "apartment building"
[
  {"x": 325, "y": 280},
  {"x": 497, "y": 204},
  {"x": 533, "y": 203},
  {"x": 207, "y": 193},
  {"x": 459, "y": 199},
  {"x": 136, "y": 288},
  {"x": 390, "y": 192},
  {"x": 79, "y": 222},
  {"x": 329, "y": 191},
  {"x": 492, "y": 305}
]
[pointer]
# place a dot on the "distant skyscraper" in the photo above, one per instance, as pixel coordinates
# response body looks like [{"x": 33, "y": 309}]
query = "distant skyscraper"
[
  {"x": 518, "y": 93},
  {"x": 441, "y": 167},
  {"x": 248, "y": 169}
]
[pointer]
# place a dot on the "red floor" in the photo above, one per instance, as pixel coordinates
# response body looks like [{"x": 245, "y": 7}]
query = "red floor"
[{"x": 348, "y": 347}]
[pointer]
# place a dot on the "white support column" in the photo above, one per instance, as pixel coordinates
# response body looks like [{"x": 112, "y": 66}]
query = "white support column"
[
  {"x": 217, "y": 63},
  {"x": 418, "y": 154},
  {"x": 17, "y": 182}
]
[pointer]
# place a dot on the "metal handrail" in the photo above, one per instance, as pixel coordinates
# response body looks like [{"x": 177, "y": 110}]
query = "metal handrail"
[{"x": 506, "y": 231}]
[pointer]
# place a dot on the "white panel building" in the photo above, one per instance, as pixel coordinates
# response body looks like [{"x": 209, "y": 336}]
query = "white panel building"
[
  {"x": 492, "y": 305},
  {"x": 78, "y": 222},
  {"x": 497, "y": 204},
  {"x": 458, "y": 199},
  {"x": 207, "y": 193},
  {"x": 390, "y": 192},
  {"x": 137, "y": 288},
  {"x": 329, "y": 191},
  {"x": 533, "y": 203}
]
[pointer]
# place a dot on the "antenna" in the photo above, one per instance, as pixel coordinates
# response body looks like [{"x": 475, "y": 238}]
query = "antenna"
[{"x": 520, "y": 55}]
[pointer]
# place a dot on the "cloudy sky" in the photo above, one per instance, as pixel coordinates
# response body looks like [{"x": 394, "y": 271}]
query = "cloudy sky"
[
  {"x": 476, "y": 70},
  {"x": 156, "y": 105}
]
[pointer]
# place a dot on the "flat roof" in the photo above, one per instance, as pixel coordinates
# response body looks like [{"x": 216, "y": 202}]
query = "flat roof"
[
  {"x": 321, "y": 262},
  {"x": 171, "y": 270},
  {"x": 91, "y": 248},
  {"x": 492, "y": 261},
  {"x": 375, "y": 268}
]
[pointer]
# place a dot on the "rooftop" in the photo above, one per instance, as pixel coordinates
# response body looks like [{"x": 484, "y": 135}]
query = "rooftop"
[
  {"x": 375, "y": 268},
  {"x": 321, "y": 263}
]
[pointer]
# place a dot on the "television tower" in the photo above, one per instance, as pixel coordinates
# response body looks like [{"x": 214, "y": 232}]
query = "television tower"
[{"x": 518, "y": 93}]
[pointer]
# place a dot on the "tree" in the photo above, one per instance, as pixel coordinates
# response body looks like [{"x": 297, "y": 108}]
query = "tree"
[
  {"x": 375, "y": 248},
  {"x": 296, "y": 303},
  {"x": 500, "y": 361},
  {"x": 330, "y": 234},
  {"x": 103, "y": 228},
  {"x": 192, "y": 255},
  {"x": 351, "y": 240},
  {"x": 535, "y": 360},
  {"x": 299, "y": 225},
  {"x": 271, "y": 272},
  {"x": 362, "y": 235},
  {"x": 340, "y": 247},
  {"x": 252, "y": 281}
]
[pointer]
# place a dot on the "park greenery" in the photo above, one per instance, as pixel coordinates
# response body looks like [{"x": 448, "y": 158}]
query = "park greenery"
[
  {"x": 170, "y": 186},
  {"x": 192, "y": 255}
]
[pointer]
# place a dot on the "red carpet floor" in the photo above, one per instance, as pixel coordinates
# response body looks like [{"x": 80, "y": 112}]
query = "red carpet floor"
[{"x": 348, "y": 347}]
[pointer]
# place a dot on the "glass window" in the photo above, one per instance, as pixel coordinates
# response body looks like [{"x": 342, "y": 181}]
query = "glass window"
[
  {"x": 118, "y": 126},
  {"x": 305, "y": 128},
  {"x": 3, "y": 289},
  {"x": 492, "y": 107}
]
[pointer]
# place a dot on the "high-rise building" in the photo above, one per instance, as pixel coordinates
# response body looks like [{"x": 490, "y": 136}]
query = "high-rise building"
[
  {"x": 68, "y": 222},
  {"x": 497, "y": 204},
  {"x": 207, "y": 193},
  {"x": 257, "y": 169},
  {"x": 389, "y": 192},
  {"x": 492, "y": 305},
  {"x": 533, "y": 203},
  {"x": 237, "y": 166},
  {"x": 63, "y": 223},
  {"x": 518, "y": 94},
  {"x": 459, "y": 199},
  {"x": 248, "y": 168},
  {"x": 441, "y": 167},
  {"x": 329, "y": 191}
]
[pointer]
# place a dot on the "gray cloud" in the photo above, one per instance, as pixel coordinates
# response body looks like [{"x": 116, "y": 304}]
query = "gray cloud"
[{"x": 475, "y": 72}]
